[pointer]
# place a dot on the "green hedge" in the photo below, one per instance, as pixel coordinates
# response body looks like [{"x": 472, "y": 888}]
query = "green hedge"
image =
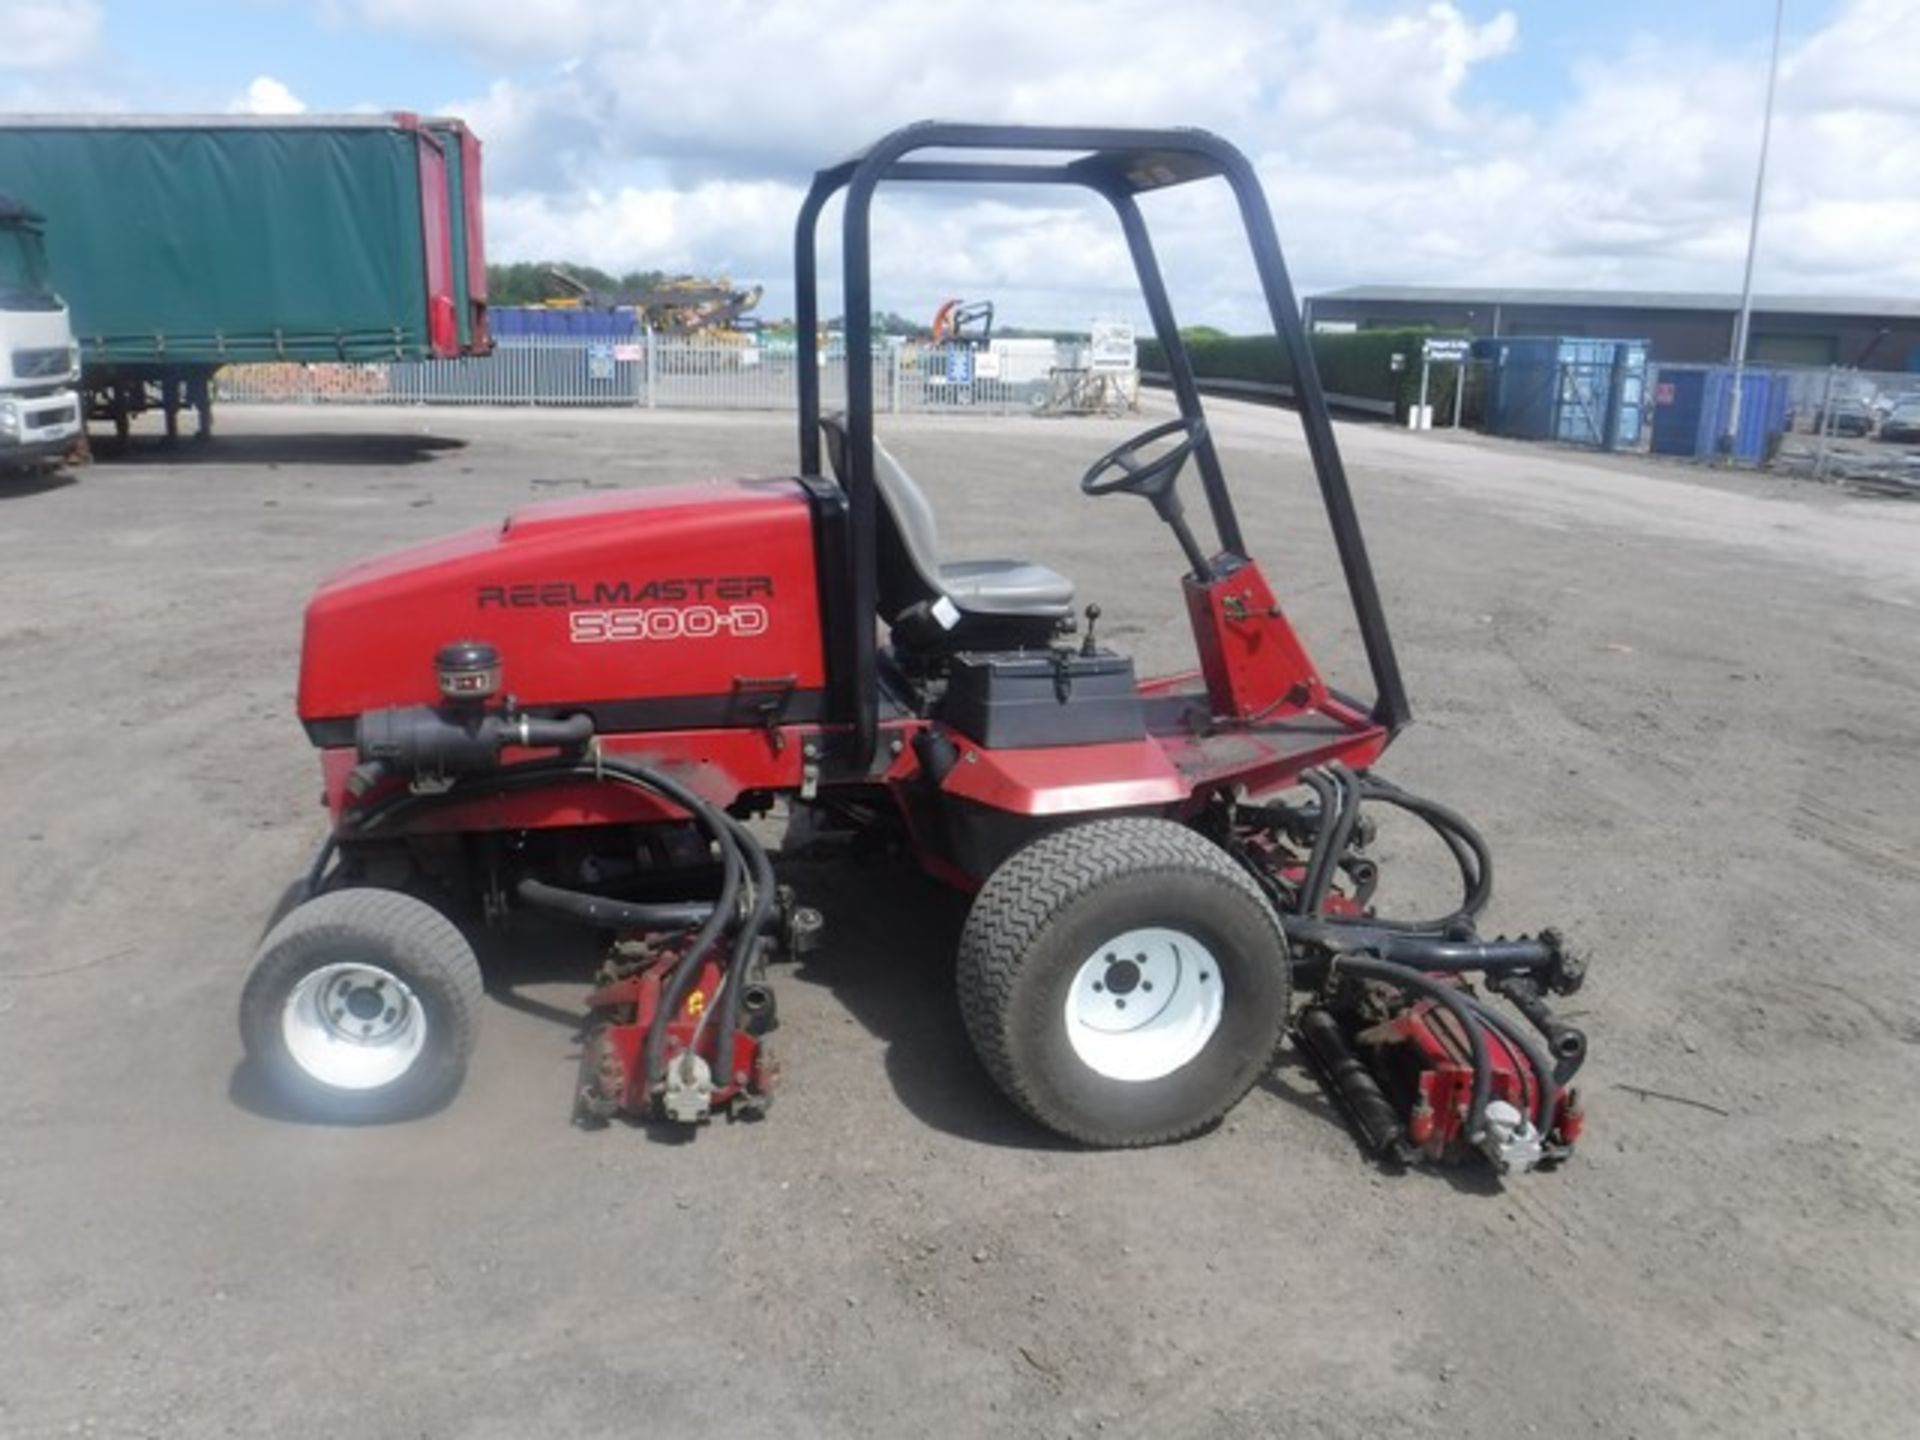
[{"x": 1357, "y": 363}]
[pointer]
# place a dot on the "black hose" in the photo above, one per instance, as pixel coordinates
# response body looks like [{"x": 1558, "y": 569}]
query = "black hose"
[
  {"x": 614, "y": 914},
  {"x": 1469, "y": 850},
  {"x": 1424, "y": 950},
  {"x": 1546, "y": 1090},
  {"x": 1318, "y": 857},
  {"x": 540, "y": 773},
  {"x": 543, "y": 734},
  {"x": 680, "y": 982},
  {"x": 317, "y": 872},
  {"x": 1457, "y": 1004},
  {"x": 1348, "y": 789},
  {"x": 744, "y": 945}
]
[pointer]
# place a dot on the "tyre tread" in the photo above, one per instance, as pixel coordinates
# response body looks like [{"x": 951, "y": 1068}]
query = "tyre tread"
[
  {"x": 430, "y": 941},
  {"x": 1021, "y": 898}
]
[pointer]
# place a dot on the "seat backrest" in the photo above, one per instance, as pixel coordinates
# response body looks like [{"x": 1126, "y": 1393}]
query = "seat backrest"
[{"x": 908, "y": 538}]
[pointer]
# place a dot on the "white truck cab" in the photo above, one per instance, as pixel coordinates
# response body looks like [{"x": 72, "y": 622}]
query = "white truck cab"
[{"x": 40, "y": 415}]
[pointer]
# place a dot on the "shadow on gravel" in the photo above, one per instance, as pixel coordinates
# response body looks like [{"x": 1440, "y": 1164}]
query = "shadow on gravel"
[
  {"x": 887, "y": 957},
  {"x": 322, "y": 448},
  {"x": 1293, "y": 1084},
  {"x": 20, "y": 485},
  {"x": 249, "y": 1090}
]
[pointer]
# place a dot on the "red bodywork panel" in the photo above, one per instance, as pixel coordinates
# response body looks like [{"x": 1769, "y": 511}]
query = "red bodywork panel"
[
  {"x": 693, "y": 594},
  {"x": 1254, "y": 664},
  {"x": 436, "y": 233},
  {"x": 675, "y": 615},
  {"x": 476, "y": 238}
]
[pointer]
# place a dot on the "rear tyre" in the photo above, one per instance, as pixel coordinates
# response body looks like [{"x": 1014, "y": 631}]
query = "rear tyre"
[
  {"x": 1124, "y": 981},
  {"x": 362, "y": 1007}
]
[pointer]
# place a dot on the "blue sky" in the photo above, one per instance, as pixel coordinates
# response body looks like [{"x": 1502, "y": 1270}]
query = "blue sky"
[
  {"x": 200, "y": 53},
  {"x": 1538, "y": 142}
]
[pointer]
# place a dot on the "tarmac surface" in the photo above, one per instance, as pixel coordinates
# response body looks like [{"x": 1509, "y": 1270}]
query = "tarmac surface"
[{"x": 1682, "y": 705}]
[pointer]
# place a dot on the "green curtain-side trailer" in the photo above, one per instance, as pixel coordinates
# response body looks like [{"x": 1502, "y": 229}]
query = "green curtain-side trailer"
[{"x": 199, "y": 241}]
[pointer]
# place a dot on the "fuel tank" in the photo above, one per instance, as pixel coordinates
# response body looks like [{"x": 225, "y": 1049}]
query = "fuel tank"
[{"x": 686, "y": 606}]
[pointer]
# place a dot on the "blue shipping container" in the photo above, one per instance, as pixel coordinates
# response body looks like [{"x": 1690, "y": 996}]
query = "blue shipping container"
[
  {"x": 1690, "y": 412},
  {"x": 511, "y": 322},
  {"x": 1566, "y": 388}
]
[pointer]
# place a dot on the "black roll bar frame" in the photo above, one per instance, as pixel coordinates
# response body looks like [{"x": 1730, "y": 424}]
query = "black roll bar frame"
[{"x": 1117, "y": 164}]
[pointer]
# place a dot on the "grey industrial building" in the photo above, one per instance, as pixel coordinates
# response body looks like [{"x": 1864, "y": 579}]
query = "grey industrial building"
[{"x": 1682, "y": 327}]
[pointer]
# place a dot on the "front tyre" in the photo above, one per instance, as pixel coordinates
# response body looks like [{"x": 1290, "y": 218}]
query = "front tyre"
[
  {"x": 362, "y": 1007},
  {"x": 1124, "y": 981}
]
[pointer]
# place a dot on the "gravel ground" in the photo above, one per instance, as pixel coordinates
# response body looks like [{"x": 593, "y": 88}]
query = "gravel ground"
[{"x": 1682, "y": 707}]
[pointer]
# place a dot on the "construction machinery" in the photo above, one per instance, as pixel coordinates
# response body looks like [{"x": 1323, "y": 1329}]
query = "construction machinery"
[
  {"x": 964, "y": 322},
  {"x": 576, "y": 713},
  {"x": 39, "y": 363}
]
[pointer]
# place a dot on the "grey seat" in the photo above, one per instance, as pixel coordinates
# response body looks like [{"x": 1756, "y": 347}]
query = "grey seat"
[
  {"x": 980, "y": 587},
  {"x": 912, "y": 575}
]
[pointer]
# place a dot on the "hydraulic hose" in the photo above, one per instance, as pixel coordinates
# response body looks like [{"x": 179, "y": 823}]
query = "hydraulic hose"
[
  {"x": 1424, "y": 950},
  {"x": 540, "y": 773},
  {"x": 614, "y": 914},
  {"x": 317, "y": 872},
  {"x": 537, "y": 734},
  {"x": 1470, "y": 853},
  {"x": 1546, "y": 1089},
  {"x": 1348, "y": 789},
  {"x": 744, "y": 945},
  {"x": 1318, "y": 858},
  {"x": 1456, "y": 1004}
]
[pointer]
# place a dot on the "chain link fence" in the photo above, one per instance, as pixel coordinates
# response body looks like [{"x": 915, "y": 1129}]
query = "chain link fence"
[
  {"x": 1860, "y": 428},
  {"x": 1856, "y": 427},
  {"x": 676, "y": 372}
]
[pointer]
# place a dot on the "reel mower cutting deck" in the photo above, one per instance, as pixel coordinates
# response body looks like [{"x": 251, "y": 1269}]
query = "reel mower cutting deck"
[{"x": 574, "y": 713}]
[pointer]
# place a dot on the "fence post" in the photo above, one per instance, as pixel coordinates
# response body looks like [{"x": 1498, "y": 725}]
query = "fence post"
[
  {"x": 1616, "y": 387},
  {"x": 1826, "y": 425},
  {"x": 653, "y": 371}
]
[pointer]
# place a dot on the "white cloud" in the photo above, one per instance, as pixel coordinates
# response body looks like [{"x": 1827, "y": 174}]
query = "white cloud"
[
  {"x": 265, "y": 95},
  {"x": 679, "y": 136},
  {"x": 47, "y": 34}
]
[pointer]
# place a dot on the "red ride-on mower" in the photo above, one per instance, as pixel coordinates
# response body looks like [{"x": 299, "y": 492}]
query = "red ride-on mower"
[{"x": 575, "y": 712}]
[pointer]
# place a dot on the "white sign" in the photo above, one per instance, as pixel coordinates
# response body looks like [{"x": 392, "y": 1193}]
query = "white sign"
[
  {"x": 1446, "y": 350},
  {"x": 627, "y": 354},
  {"x": 1112, "y": 346}
]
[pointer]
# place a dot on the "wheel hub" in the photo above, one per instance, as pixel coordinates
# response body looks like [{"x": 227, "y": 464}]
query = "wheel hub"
[
  {"x": 353, "y": 1026},
  {"x": 1144, "y": 1004}
]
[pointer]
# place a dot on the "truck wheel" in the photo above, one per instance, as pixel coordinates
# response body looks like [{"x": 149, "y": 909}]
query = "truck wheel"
[
  {"x": 1124, "y": 981},
  {"x": 361, "y": 1007}
]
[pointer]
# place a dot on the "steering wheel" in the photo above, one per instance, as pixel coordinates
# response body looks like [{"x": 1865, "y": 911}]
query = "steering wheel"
[{"x": 1121, "y": 471}]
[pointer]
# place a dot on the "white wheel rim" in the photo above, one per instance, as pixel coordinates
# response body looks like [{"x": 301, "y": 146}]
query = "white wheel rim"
[
  {"x": 353, "y": 1027},
  {"x": 1144, "y": 1004}
]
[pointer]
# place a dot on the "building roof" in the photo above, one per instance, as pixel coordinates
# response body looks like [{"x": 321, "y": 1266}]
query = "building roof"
[{"x": 1707, "y": 300}]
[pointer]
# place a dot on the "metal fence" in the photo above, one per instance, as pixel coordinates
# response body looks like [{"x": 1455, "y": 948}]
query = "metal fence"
[
  {"x": 654, "y": 371},
  {"x": 1856, "y": 427}
]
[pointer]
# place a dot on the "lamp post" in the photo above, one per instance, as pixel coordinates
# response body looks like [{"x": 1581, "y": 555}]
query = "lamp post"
[{"x": 1744, "y": 318}]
